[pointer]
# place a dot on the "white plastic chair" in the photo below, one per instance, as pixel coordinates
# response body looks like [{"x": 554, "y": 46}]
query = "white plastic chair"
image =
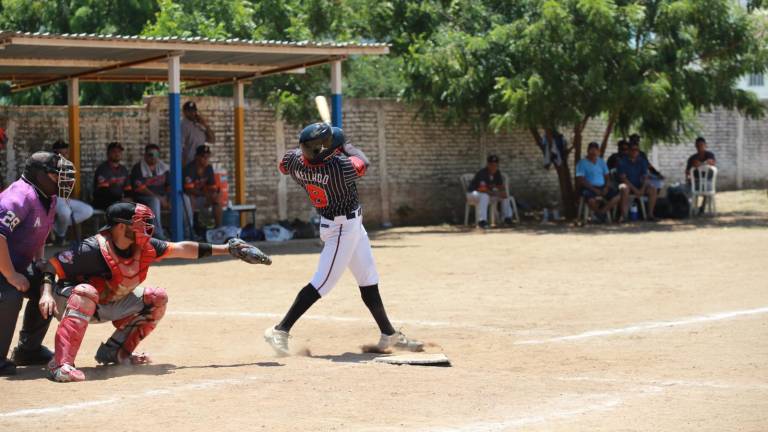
[
  {"x": 585, "y": 213},
  {"x": 704, "y": 186},
  {"x": 493, "y": 202},
  {"x": 465, "y": 179},
  {"x": 512, "y": 202}
]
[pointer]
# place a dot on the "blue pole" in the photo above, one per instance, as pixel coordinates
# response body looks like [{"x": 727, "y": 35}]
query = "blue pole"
[
  {"x": 174, "y": 128},
  {"x": 336, "y": 110},
  {"x": 336, "y": 93}
]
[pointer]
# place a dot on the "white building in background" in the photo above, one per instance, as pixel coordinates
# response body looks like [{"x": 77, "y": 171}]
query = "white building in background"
[{"x": 757, "y": 83}]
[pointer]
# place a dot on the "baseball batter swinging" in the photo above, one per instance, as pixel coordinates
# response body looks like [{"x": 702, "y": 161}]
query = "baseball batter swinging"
[
  {"x": 326, "y": 166},
  {"x": 100, "y": 280}
]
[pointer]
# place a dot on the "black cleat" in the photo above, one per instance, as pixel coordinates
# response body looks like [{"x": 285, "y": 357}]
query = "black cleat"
[{"x": 34, "y": 357}]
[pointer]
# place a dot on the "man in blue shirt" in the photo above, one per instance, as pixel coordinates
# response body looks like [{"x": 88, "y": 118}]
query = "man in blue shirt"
[
  {"x": 592, "y": 180},
  {"x": 633, "y": 174}
]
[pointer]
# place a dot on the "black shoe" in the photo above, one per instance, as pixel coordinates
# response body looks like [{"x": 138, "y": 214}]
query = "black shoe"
[
  {"x": 7, "y": 368},
  {"x": 507, "y": 221},
  {"x": 34, "y": 357},
  {"x": 483, "y": 224}
]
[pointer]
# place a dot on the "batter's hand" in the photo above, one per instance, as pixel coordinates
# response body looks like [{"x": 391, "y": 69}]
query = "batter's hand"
[
  {"x": 241, "y": 250},
  {"x": 48, "y": 306},
  {"x": 19, "y": 281}
]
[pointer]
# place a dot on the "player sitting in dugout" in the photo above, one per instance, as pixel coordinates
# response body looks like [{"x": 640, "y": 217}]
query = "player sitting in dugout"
[
  {"x": 488, "y": 183},
  {"x": 101, "y": 280},
  {"x": 200, "y": 188}
]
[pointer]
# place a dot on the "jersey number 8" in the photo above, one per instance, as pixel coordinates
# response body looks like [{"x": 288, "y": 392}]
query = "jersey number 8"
[{"x": 317, "y": 196}]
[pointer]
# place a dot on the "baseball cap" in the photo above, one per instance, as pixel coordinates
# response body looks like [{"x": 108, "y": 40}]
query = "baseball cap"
[
  {"x": 119, "y": 212},
  {"x": 190, "y": 106},
  {"x": 113, "y": 145},
  {"x": 493, "y": 159},
  {"x": 202, "y": 149},
  {"x": 59, "y": 145}
]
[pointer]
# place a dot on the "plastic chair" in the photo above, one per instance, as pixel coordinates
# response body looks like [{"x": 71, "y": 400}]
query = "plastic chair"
[
  {"x": 512, "y": 202},
  {"x": 465, "y": 179},
  {"x": 585, "y": 213},
  {"x": 704, "y": 184}
]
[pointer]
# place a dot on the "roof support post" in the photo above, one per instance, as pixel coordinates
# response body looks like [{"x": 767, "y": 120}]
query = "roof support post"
[
  {"x": 174, "y": 123},
  {"x": 73, "y": 114},
  {"x": 239, "y": 96},
  {"x": 336, "y": 93}
]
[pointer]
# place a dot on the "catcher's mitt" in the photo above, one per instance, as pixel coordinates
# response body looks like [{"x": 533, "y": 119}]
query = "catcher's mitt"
[{"x": 239, "y": 249}]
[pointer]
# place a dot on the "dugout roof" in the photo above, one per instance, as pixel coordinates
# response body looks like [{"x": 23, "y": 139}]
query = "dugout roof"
[{"x": 32, "y": 59}]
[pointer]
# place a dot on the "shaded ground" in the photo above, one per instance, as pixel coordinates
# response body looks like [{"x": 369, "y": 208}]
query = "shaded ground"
[{"x": 665, "y": 326}]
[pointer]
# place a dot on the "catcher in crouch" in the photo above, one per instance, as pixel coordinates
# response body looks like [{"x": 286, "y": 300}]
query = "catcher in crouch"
[{"x": 100, "y": 279}]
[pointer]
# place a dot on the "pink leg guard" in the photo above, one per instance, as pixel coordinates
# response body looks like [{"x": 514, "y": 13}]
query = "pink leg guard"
[
  {"x": 141, "y": 325},
  {"x": 80, "y": 308}
]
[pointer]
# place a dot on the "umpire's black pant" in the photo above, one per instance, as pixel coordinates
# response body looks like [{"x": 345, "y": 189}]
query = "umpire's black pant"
[{"x": 34, "y": 327}]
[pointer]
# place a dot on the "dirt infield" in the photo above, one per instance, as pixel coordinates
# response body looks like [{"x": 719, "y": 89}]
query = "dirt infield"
[{"x": 636, "y": 328}]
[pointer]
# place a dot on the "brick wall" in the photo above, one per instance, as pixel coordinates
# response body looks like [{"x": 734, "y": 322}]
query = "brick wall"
[{"x": 419, "y": 183}]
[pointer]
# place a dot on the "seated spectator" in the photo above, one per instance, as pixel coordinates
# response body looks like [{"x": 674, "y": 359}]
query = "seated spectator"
[
  {"x": 654, "y": 175},
  {"x": 69, "y": 211},
  {"x": 701, "y": 157},
  {"x": 149, "y": 183},
  {"x": 634, "y": 175},
  {"x": 594, "y": 182},
  {"x": 488, "y": 183},
  {"x": 623, "y": 150},
  {"x": 111, "y": 182},
  {"x": 200, "y": 188}
]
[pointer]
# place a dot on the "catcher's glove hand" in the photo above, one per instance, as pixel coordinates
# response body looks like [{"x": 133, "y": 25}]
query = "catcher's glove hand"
[{"x": 239, "y": 249}]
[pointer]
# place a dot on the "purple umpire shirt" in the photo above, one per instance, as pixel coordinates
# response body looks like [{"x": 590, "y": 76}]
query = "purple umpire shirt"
[{"x": 24, "y": 222}]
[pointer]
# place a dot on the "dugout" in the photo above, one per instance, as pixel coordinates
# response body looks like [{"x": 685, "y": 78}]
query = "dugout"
[{"x": 30, "y": 60}]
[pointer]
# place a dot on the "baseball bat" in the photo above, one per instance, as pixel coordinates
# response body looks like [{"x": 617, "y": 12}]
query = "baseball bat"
[{"x": 322, "y": 107}]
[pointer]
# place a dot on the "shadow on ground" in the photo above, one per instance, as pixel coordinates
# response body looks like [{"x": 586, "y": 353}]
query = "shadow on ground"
[{"x": 347, "y": 357}]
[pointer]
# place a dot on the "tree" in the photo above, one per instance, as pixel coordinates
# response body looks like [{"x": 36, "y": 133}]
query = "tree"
[{"x": 546, "y": 65}]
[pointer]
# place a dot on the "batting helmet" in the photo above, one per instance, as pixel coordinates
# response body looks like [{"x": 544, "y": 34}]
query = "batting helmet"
[{"x": 318, "y": 142}]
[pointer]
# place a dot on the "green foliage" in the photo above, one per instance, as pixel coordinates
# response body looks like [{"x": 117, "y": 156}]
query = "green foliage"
[{"x": 549, "y": 64}]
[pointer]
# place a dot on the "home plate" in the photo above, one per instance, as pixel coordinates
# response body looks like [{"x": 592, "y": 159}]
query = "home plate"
[{"x": 416, "y": 359}]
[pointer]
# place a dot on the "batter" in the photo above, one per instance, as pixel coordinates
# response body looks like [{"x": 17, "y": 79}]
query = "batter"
[{"x": 326, "y": 166}]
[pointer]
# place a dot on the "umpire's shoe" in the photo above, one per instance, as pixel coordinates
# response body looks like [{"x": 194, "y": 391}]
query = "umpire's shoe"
[
  {"x": 7, "y": 367},
  {"x": 399, "y": 341},
  {"x": 278, "y": 340},
  {"x": 33, "y": 357}
]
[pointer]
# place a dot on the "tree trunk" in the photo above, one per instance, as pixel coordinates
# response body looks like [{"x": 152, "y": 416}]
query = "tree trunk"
[
  {"x": 578, "y": 132},
  {"x": 607, "y": 134},
  {"x": 567, "y": 194}
]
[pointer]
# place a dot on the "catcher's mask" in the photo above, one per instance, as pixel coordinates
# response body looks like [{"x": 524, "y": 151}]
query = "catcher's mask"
[
  {"x": 52, "y": 163},
  {"x": 138, "y": 217},
  {"x": 316, "y": 142}
]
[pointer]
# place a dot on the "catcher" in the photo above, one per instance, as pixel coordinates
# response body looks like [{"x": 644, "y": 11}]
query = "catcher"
[{"x": 100, "y": 280}]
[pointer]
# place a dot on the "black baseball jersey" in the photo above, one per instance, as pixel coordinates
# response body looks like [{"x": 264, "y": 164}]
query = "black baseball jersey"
[
  {"x": 330, "y": 185},
  {"x": 86, "y": 260}
]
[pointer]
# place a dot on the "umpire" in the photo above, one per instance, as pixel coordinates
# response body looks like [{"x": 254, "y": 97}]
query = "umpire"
[{"x": 27, "y": 212}]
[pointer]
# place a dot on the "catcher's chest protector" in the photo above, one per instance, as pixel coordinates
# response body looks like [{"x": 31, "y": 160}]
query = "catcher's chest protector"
[{"x": 127, "y": 273}]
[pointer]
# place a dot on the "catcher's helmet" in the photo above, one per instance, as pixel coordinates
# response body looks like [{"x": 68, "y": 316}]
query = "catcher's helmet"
[{"x": 317, "y": 142}]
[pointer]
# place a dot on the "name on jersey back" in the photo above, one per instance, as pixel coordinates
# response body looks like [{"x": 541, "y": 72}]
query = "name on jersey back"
[{"x": 312, "y": 177}]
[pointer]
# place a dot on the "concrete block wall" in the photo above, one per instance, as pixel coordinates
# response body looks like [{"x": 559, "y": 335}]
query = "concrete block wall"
[{"x": 414, "y": 177}]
